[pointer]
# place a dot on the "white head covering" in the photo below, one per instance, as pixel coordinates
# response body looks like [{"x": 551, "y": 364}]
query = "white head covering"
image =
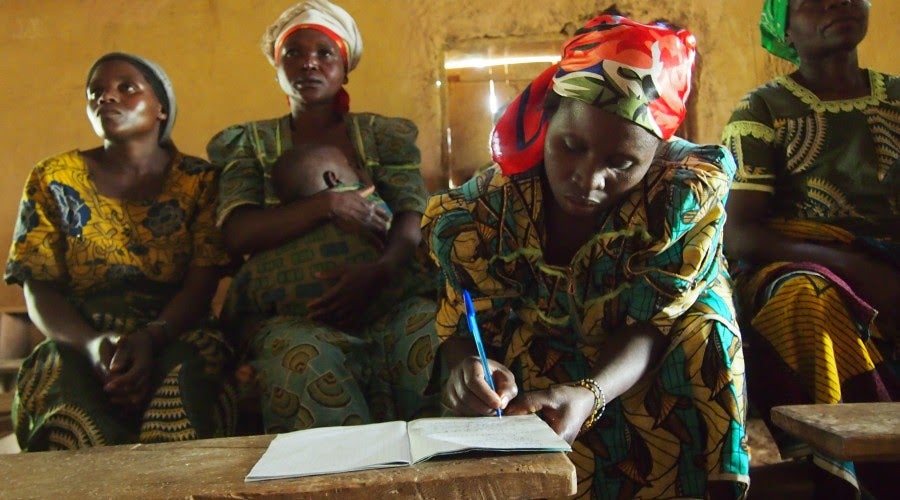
[
  {"x": 159, "y": 81},
  {"x": 318, "y": 13}
]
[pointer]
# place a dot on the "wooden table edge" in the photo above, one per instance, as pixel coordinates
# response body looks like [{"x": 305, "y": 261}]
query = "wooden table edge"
[{"x": 837, "y": 447}]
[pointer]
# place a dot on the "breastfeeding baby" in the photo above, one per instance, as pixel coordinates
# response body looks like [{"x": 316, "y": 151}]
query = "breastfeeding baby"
[
  {"x": 308, "y": 169},
  {"x": 283, "y": 280}
]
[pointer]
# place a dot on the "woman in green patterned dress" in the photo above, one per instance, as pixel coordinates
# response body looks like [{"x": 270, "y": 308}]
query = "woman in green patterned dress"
[
  {"x": 362, "y": 350},
  {"x": 119, "y": 257},
  {"x": 593, "y": 256},
  {"x": 813, "y": 229}
]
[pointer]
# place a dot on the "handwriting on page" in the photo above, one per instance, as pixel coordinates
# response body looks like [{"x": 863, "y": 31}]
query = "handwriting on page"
[
  {"x": 430, "y": 437},
  {"x": 488, "y": 432}
]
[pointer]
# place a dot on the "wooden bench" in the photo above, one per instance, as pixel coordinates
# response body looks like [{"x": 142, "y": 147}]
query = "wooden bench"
[
  {"x": 215, "y": 468},
  {"x": 850, "y": 431},
  {"x": 5, "y": 417},
  {"x": 18, "y": 335},
  {"x": 9, "y": 368}
]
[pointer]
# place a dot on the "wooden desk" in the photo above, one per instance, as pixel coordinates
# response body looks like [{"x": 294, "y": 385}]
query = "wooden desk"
[
  {"x": 215, "y": 468},
  {"x": 10, "y": 366},
  {"x": 852, "y": 431},
  {"x": 9, "y": 369},
  {"x": 5, "y": 415}
]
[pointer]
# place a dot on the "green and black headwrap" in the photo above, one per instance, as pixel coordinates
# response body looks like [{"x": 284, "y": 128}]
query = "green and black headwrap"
[{"x": 773, "y": 28}]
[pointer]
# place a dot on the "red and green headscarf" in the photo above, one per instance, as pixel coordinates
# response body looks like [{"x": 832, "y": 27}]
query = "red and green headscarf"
[{"x": 641, "y": 72}]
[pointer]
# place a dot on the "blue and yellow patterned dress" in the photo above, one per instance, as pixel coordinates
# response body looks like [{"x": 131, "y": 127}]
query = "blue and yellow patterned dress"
[
  {"x": 656, "y": 259},
  {"x": 118, "y": 263},
  {"x": 311, "y": 374}
]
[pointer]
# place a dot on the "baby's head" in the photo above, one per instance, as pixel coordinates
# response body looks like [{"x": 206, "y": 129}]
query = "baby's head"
[{"x": 307, "y": 169}]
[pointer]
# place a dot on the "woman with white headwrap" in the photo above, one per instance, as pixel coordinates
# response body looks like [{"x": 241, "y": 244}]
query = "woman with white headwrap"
[{"x": 331, "y": 343}]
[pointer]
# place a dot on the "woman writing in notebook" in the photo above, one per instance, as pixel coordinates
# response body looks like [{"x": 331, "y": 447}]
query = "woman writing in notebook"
[{"x": 593, "y": 257}]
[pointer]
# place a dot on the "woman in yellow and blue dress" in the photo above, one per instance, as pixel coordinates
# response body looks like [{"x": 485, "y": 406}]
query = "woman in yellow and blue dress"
[
  {"x": 593, "y": 256},
  {"x": 118, "y": 254}
]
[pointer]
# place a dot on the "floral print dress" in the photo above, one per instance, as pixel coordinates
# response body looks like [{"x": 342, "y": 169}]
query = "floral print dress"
[
  {"x": 118, "y": 263},
  {"x": 656, "y": 258}
]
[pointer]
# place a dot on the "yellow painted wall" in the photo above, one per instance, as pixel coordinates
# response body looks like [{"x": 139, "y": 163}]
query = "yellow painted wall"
[{"x": 210, "y": 49}]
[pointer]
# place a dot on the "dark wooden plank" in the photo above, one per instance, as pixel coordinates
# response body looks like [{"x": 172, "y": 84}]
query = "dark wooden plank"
[
  {"x": 5, "y": 402},
  {"x": 852, "y": 431},
  {"x": 5, "y": 415},
  {"x": 10, "y": 366},
  {"x": 216, "y": 468}
]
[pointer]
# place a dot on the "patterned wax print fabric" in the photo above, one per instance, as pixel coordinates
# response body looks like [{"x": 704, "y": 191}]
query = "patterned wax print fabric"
[
  {"x": 639, "y": 72},
  {"x": 832, "y": 170},
  {"x": 656, "y": 259},
  {"x": 834, "y": 162},
  {"x": 118, "y": 262},
  {"x": 282, "y": 281},
  {"x": 310, "y": 374},
  {"x": 817, "y": 340},
  {"x": 384, "y": 146}
]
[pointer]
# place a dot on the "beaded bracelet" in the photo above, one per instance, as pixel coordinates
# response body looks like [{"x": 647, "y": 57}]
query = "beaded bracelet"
[{"x": 599, "y": 401}]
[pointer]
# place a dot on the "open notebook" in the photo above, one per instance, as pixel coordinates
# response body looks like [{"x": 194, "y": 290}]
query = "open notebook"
[{"x": 329, "y": 450}]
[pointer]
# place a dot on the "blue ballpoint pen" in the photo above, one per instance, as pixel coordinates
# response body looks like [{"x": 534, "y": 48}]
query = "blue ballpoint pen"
[{"x": 476, "y": 334}]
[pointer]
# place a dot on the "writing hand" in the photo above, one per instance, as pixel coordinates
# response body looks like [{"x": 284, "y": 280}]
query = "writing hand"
[
  {"x": 466, "y": 391},
  {"x": 565, "y": 408}
]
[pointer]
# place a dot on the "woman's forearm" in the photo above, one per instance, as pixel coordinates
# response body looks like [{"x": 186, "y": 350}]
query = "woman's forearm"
[
  {"x": 403, "y": 238},
  {"x": 455, "y": 349},
  {"x": 760, "y": 244},
  {"x": 189, "y": 306},
  {"x": 55, "y": 317},
  {"x": 250, "y": 229},
  {"x": 748, "y": 236},
  {"x": 627, "y": 357}
]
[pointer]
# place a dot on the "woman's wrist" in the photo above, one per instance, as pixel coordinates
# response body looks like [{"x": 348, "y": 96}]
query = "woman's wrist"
[
  {"x": 160, "y": 332},
  {"x": 388, "y": 264},
  {"x": 91, "y": 347},
  {"x": 324, "y": 206},
  {"x": 599, "y": 401}
]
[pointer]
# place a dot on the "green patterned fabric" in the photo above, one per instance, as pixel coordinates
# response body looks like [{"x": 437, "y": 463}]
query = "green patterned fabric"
[
  {"x": 833, "y": 162},
  {"x": 60, "y": 403},
  {"x": 655, "y": 258},
  {"x": 311, "y": 374},
  {"x": 282, "y": 281},
  {"x": 386, "y": 147},
  {"x": 832, "y": 173}
]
